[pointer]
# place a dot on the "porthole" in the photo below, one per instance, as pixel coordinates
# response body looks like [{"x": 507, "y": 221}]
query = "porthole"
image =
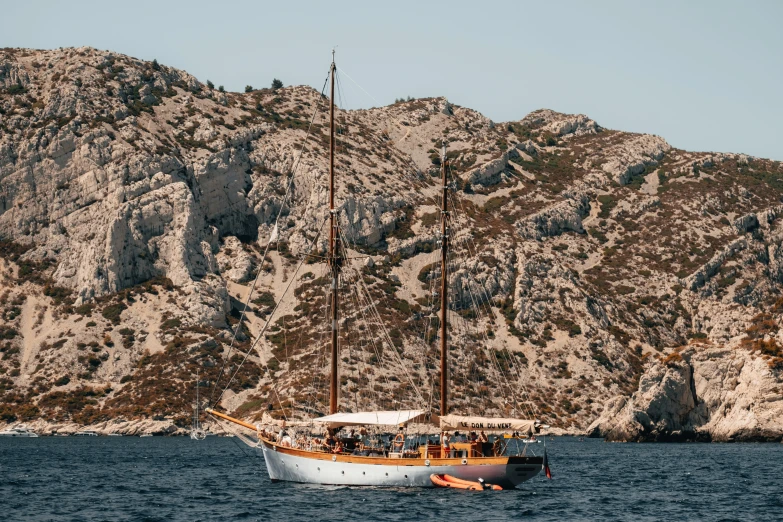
[
  {"x": 334, "y": 458},
  {"x": 427, "y": 462},
  {"x": 464, "y": 462}
]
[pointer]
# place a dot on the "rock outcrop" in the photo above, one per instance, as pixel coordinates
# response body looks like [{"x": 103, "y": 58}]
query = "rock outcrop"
[
  {"x": 152, "y": 227},
  {"x": 716, "y": 394},
  {"x": 633, "y": 156}
]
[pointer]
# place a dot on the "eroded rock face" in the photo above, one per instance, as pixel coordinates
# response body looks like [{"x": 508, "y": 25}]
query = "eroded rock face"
[
  {"x": 712, "y": 394},
  {"x": 136, "y": 200},
  {"x": 635, "y": 155},
  {"x": 558, "y": 219},
  {"x": 563, "y": 124}
]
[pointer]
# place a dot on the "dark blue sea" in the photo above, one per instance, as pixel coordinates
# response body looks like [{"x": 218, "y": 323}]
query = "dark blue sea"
[{"x": 173, "y": 479}]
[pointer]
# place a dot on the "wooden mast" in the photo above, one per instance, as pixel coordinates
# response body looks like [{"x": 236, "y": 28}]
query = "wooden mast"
[
  {"x": 444, "y": 285},
  {"x": 334, "y": 264}
]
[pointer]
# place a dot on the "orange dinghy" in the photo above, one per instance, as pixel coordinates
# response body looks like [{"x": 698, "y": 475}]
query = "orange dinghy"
[{"x": 448, "y": 481}]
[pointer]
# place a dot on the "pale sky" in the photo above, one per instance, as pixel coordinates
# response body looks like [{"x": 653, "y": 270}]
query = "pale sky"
[{"x": 705, "y": 75}]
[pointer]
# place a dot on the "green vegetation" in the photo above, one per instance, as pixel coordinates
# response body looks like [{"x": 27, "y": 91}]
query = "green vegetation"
[
  {"x": 607, "y": 204},
  {"x": 113, "y": 311}
]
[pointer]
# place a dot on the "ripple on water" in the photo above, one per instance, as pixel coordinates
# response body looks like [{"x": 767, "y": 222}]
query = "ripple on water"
[{"x": 172, "y": 479}]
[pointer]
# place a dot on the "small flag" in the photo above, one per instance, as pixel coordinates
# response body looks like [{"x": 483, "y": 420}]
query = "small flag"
[{"x": 545, "y": 465}]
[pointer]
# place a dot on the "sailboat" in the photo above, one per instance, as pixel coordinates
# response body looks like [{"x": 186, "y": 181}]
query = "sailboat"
[
  {"x": 196, "y": 431},
  {"x": 402, "y": 463}
]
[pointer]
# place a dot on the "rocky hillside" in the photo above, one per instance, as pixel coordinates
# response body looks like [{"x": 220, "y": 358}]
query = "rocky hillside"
[{"x": 136, "y": 204}]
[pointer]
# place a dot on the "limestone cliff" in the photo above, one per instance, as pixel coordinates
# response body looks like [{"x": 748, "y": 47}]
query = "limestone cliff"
[
  {"x": 702, "y": 393},
  {"x": 136, "y": 202}
]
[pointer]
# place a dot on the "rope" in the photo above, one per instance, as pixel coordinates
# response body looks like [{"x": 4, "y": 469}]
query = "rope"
[
  {"x": 266, "y": 249},
  {"x": 269, "y": 319}
]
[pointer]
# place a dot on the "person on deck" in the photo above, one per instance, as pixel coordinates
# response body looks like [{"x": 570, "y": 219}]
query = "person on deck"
[
  {"x": 398, "y": 444},
  {"x": 486, "y": 447},
  {"x": 444, "y": 444},
  {"x": 350, "y": 441},
  {"x": 452, "y": 440},
  {"x": 329, "y": 439}
]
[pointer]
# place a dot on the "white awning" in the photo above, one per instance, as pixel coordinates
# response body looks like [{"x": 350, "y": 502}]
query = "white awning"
[
  {"x": 460, "y": 422},
  {"x": 371, "y": 418}
]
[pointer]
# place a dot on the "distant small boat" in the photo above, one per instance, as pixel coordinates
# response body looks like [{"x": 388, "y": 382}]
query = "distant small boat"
[
  {"x": 115, "y": 434},
  {"x": 19, "y": 430},
  {"x": 85, "y": 433},
  {"x": 60, "y": 435},
  {"x": 146, "y": 435}
]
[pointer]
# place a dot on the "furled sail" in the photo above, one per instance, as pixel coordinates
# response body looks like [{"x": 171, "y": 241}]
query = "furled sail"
[
  {"x": 461, "y": 422},
  {"x": 371, "y": 418}
]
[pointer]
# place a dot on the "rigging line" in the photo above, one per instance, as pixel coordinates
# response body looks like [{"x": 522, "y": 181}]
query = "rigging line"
[
  {"x": 295, "y": 166},
  {"x": 316, "y": 380},
  {"x": 395, "y": 120},
  {"x": 351, "y": 229},
  {"x": 364, "y": 309},
  {"x": 271, "y": 314},
  {"x": 465, "y": 240},
  {"x": 490, "y": 313},
  {"x": 359, "y": 86},
  {"x": 274, "y": 389},
  {"x": 393, "y": 347},
  {"x": 352, "y": 336},
  {"x": 376, "y": 322},
  {"x": 492, "y": 355},
  {"x": 387, "y": 339},
  {"x": 378, "y": 353}
]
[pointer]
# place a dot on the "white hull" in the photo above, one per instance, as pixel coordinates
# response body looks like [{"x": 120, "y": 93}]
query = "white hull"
[
  {"x": 294, "y": 468},
  {"x": 19, "y": 431}
]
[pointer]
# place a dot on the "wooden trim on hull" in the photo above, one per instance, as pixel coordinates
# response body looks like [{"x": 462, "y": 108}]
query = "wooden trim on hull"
[
  {"x": 385, "y": 461},
  {"x": 301, "y": 468}
]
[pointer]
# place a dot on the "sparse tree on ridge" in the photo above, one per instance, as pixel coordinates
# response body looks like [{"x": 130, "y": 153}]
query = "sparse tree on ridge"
[
  {"x": 248, "y": 88},
  {"x": 210, "y": 84},
  {"x": 276, "y": 84}
]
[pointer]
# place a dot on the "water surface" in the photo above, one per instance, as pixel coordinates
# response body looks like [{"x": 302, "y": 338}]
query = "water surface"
[{"x": 173, "y": 479}]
